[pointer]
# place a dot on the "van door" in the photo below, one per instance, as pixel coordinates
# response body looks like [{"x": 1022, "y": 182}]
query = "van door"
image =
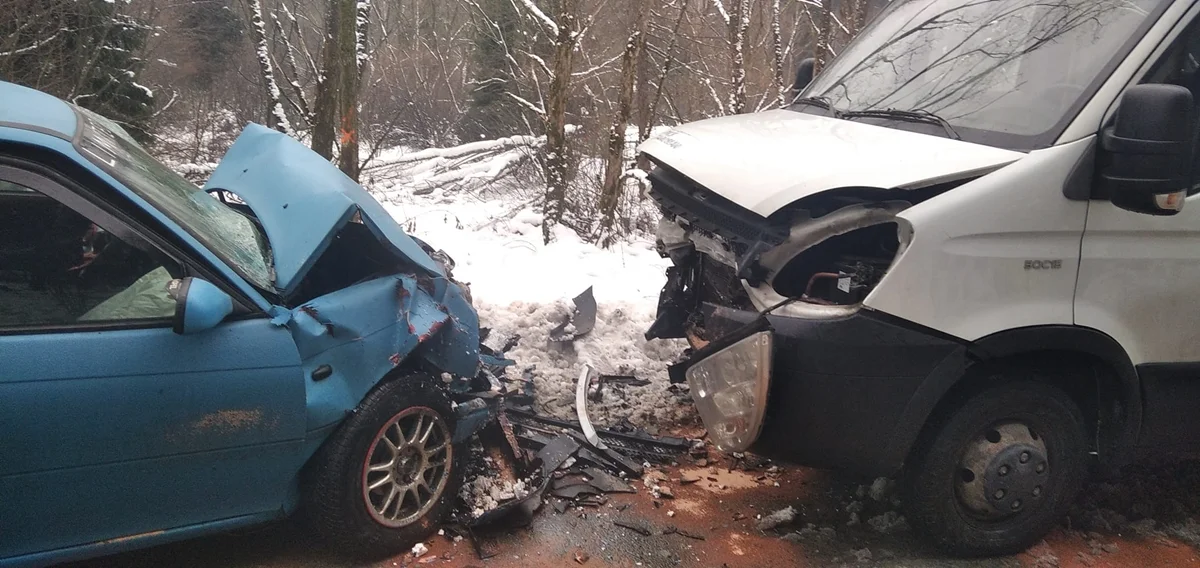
[
  {"x": 1138, "y": 278},
  {"x": 113, "y": 425}
]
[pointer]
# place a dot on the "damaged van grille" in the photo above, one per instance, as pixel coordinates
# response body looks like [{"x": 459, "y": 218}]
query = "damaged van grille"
[
  {"x": 679, "y": 196},
  {"x": 718, "y": 284}
]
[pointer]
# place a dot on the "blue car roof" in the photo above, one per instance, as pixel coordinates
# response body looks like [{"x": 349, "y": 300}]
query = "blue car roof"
[{"x": 25, "y": 108}]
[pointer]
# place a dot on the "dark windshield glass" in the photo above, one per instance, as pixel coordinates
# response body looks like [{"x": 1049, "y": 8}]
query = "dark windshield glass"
[{"x": 1006, "y": 73}]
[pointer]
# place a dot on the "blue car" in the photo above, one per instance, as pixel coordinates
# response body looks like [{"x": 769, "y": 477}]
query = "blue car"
[{"x": 176, "y": 361}]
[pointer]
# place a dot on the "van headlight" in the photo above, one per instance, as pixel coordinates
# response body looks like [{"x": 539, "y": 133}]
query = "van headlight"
[{"x": 730, "y": 389}]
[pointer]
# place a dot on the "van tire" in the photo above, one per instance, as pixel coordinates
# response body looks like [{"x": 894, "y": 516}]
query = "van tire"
[
  {"x": 974, "y": 454},
  {"x": 335, "y": 505}
]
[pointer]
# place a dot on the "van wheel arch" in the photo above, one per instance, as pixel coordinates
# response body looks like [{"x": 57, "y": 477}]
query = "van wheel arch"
[{"x": 1088, "y": 364}]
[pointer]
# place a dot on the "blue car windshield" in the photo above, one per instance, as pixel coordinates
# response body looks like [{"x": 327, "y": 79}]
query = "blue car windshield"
[
  {"x": 233, "y": 237},
  {"x": 1006, "y": 73}
]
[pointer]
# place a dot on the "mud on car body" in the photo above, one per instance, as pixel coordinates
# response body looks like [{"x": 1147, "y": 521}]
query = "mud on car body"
[
  {"x": 179, "y": 361},
  {"x": 961, "y": 256}
]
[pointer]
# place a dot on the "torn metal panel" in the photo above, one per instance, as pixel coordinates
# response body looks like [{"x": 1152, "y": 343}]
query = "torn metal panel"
[
  {"x": 365, "y": 331},
  {"x": 809, "y": 232},
  {"x": 303, "y": 201}
]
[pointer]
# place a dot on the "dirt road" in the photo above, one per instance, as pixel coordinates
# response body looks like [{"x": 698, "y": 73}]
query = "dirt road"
[{"x": 1146, "y": 519}]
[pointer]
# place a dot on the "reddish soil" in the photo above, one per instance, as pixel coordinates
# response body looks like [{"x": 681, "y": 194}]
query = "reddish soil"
[{"x": 722, "y": 507}]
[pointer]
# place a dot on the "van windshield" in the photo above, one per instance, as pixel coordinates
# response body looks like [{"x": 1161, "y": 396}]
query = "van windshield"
[{"x": 1007, "y": 73}]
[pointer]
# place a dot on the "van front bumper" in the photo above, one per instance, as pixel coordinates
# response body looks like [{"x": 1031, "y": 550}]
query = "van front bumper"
[{"x": 849, "y": 393}]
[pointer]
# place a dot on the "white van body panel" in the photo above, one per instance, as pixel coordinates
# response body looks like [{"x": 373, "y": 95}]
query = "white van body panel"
[
  {"x": 767, "y": 160},
  {"x": 964, "y": 272},
  {"x": 1138, "y": 281}
]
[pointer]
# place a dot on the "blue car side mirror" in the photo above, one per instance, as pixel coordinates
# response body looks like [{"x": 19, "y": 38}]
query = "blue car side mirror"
[{"x": 199, "y": 306}]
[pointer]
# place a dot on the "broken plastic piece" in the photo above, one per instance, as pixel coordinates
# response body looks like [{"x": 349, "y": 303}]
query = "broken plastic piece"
[
  {"x": 606, "y": 482},
  {"x": 573, "y": 491},
  {"x": 581, "y": 409},
  {"x": 581, "y": 322}
]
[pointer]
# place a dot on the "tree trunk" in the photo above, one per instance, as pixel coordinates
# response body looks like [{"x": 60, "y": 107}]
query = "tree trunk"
[
  {"x": 642, "y": 91},
  {"x": 777, "y": 53},
  {"x": 824, "y": 25},
  {"x": 859, "y": 19},
  {"x": 557, "y": 98},
  {"x": 662, "y": 77},
  {"x": 326, "y": 107},
  {"x": 351, "y": 57},
  {"x": 276, "y": 117},
  {"x": 739, "y": 23},
  {"x": 614, "y": 168}
]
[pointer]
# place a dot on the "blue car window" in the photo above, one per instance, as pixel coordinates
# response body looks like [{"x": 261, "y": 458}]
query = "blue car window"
[
  {"x": 228, "y": 234},
  {"x": 59, "y": 269}
]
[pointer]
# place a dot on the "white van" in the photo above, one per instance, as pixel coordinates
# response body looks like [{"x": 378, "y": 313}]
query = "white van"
[{"x": 974, "y": 241}]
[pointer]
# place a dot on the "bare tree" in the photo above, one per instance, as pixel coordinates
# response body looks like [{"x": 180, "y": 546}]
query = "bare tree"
[
  {"x": 614, "y": 169},
  {"x": 739, "y": 22},
  {"x": 276, "y": 117},
  {"x": 777, "y": 51}
]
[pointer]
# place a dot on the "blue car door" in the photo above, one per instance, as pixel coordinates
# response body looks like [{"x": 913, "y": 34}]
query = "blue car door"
[{"x": 111, "y": 425}]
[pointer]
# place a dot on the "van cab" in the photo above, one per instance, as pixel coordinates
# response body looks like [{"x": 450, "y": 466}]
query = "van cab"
[{"x": 966, "y": 254}]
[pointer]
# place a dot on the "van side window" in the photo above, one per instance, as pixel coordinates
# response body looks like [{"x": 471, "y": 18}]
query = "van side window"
[
  {"x": 1180, "y": 65},
  {"x": 58, "y": 269}
]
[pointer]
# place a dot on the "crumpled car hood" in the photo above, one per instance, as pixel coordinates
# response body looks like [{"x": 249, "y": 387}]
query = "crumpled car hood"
[
  {"x": 302, "y": 201},
  {"x": 765, "y": 161}
]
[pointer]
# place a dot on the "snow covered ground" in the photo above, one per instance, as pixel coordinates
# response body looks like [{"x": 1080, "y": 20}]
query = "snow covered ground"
[{"x": 523, "y": 287}]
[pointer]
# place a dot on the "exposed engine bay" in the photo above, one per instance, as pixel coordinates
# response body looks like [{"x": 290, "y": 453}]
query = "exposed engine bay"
[{"x": 821, "y": 257}]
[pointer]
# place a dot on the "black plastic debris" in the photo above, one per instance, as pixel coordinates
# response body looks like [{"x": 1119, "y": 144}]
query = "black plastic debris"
[
  {"x": 581, "y": 322},
  {"x": 574, "y": 491},
  {"x": 637, "y": 445},
  {"x": 606, "y": 482},
  {"x": 519, "y": 512}
]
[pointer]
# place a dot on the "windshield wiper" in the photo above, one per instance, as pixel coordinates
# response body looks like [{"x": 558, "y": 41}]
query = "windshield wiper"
[
  {"x": 822, "y": 103},
  {"x": 920, "y": 116}
]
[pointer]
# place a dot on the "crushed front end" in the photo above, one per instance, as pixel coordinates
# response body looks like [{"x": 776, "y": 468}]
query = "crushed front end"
[{"x": 784, "y": 359}]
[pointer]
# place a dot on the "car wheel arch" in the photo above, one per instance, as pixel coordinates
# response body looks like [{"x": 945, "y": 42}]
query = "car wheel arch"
[{"x": 1090, "y": 364}]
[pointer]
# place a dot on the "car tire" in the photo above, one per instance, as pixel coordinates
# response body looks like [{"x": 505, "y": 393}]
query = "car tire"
[
  {"x": 412, "y": 495},
  {"x": 994, "y": 474}
]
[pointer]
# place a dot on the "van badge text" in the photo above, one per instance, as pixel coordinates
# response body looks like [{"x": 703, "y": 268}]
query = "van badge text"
[{"x": 1043, "y": 264}]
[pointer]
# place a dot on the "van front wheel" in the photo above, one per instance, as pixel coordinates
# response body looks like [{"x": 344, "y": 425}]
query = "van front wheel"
[{"x": 994, "y": 475}]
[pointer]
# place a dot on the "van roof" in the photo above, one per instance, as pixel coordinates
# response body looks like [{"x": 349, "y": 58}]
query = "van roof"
[{"x": 28, "y": 109}]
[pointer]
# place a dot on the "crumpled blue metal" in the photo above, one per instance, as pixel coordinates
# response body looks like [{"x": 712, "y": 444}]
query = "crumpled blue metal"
[{"x": 302, "y": 201}]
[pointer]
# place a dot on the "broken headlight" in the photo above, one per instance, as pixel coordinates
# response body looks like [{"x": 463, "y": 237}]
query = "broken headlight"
[{"x": 730, "y": 389}]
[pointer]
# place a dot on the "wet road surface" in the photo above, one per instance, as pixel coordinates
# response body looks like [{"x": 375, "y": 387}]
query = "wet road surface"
[{"x": 838, "y": 523}]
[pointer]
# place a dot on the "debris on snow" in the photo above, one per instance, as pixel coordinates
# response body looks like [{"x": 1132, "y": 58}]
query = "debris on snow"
[{"x": 780, "y": 517}]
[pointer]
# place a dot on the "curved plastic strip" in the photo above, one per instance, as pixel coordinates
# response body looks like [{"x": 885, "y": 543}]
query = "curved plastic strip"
[{"x": 581, "y": 409}]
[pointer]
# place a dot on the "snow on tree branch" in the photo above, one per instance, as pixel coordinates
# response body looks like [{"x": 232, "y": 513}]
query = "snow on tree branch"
[
  {"x": 29, "y": 48},
  {"x": 722, "y": 11},
  {"x": 527, "y": 104},
  {"x": 541, "y": 16}
]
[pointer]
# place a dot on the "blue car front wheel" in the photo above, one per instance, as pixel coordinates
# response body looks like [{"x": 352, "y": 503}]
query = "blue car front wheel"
[{"x": 390, "y": 474}]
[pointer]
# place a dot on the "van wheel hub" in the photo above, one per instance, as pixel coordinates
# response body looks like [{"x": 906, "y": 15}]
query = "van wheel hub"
[{"x": 1003, "y": 472}]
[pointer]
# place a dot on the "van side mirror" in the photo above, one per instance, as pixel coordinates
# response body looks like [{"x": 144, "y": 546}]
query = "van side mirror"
[
  {"x": 199, "y": 306},
  {"x": 1149, "y": 150},
  {"x": 804, "y": 75}
]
